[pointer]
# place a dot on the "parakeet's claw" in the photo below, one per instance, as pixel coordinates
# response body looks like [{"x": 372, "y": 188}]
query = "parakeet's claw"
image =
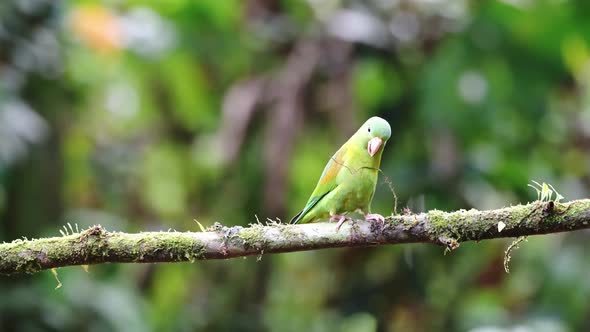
[
  {"x": 340, "y": 219},
  {"x": 376, "y": 217},
  {"x": 340, "y": 222}
]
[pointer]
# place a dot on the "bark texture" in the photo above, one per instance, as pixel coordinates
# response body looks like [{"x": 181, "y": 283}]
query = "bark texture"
[{"x": 97, "y": 245}]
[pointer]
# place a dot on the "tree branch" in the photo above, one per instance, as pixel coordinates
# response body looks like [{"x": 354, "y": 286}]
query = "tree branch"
[{"x": 96, "y": 245}]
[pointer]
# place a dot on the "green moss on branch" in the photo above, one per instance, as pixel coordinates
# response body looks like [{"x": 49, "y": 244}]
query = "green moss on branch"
[{"x": 97, "y": 245}]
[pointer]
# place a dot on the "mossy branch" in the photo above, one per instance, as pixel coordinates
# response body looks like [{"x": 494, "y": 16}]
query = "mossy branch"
[{"x": 97, "y": 245}]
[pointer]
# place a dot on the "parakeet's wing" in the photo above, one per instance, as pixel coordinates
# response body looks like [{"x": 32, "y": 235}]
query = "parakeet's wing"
[
  {"x": 326, "y": 184},
  {"x": 310, "y": 204}
]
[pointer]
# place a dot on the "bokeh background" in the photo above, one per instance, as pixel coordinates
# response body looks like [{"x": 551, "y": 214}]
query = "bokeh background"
[{"x": 144, "y": 115}]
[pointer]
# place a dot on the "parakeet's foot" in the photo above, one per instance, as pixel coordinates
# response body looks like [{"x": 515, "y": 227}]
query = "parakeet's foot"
[
  {"x": 340, "y": 219},
  {"x": 376, "y": 217}
]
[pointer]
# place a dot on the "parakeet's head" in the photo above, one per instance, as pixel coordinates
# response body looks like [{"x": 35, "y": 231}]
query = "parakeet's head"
[{"x": 376, "y": 131}]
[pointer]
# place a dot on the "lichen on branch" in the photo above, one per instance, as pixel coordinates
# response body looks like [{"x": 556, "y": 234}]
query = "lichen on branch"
[{"x": 96, "y": 245}]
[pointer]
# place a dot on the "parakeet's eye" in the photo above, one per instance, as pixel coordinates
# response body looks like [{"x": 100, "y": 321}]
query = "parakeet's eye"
[{"x": 369, "y": 129}]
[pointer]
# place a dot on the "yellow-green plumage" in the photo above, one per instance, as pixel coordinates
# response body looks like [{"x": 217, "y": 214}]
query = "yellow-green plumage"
[{"x": 348, "y": 181}]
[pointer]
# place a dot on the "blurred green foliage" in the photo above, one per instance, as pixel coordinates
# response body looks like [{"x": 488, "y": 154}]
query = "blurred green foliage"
[{"x": 143, "y": 115}]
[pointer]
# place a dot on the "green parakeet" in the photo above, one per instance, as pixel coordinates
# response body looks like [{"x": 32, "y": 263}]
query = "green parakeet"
[{"x": 348, "y": 181}]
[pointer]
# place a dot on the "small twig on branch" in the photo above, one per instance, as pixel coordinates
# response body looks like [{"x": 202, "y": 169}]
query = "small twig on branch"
[{"x": 97, "y": 245}]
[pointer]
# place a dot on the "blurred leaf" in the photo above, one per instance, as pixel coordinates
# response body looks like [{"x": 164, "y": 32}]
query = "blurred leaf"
[
  {"x": 164, "y": 175},
  {"x": 185, "y": 83}
]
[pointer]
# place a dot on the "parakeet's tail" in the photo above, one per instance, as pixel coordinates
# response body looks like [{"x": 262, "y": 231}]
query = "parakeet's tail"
[{"x": 297, "y": 217}]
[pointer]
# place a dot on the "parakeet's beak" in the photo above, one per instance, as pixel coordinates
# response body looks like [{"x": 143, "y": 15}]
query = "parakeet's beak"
[{"x": 374, "y": 145}]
